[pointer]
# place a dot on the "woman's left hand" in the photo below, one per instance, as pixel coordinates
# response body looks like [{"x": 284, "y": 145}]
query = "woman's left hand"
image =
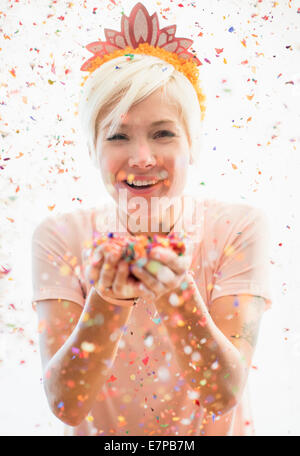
[{"x": 163, "y": 271}]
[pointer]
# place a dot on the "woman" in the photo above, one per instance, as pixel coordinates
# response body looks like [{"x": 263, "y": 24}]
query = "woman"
[{"x": 162, "y": 348}]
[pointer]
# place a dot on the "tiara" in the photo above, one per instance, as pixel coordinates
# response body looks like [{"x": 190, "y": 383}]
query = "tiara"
[{"x": 140, "y": 34}]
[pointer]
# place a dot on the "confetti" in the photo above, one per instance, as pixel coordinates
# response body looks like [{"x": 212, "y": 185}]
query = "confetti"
[
  {"x": 88, "y": 347},
  {"x": 174, "y": 300},
  {"x": 145, "y": 360}
]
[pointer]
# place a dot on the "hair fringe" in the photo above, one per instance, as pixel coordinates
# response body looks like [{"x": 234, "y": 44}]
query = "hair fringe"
[{"x": 120, "y": 83}]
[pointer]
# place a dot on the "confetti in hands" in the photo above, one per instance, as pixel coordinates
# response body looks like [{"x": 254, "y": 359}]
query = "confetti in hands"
[
  {"x": 127, "y": 267},
  {"x": 162, "y": 271}
]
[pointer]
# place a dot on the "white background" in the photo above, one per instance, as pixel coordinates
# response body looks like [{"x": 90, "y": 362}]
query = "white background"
[{"x": 250, "y": 154}]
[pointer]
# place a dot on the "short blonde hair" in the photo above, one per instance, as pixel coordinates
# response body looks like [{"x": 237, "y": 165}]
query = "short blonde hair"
[{"x": 120, "y": 83}]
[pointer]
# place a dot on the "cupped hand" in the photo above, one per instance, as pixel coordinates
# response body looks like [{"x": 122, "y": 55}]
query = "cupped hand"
[
  {"x": 110, "y": 274},
  {"x": 164, "y": 270}
]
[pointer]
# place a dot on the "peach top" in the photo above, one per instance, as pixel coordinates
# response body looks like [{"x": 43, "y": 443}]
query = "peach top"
[{"x": 149, "y": 396}]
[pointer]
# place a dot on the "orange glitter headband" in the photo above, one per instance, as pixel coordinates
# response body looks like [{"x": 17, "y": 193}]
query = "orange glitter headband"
[{"x": 140, "y": 34}]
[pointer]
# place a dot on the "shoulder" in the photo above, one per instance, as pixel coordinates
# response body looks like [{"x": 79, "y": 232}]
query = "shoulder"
[
  {"x": 232, "y": 223},
  {"x": 226, "y": 215},
  {"x": 72, "y": 224},
  {"x": 219, "y": 208}
]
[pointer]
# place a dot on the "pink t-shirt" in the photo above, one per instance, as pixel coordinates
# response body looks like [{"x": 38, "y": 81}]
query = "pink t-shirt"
[{"x": 230, "y": 256}]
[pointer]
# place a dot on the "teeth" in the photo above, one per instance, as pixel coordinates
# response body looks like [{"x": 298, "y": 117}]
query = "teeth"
[{"x": 139, "y": 183}]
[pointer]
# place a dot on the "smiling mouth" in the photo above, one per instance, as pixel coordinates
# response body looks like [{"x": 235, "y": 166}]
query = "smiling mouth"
[{"x": 141, "y": 187}]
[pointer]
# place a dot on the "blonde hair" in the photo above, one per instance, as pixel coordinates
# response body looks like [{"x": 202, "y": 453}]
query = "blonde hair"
[{"x": 122, "y": 82}]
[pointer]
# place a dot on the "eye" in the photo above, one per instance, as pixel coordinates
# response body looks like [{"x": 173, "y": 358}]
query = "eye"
[
  {"x": 117, "y": 136},
  {"x": 159, "y": 134},
  {"x": 164, "y": 133}
]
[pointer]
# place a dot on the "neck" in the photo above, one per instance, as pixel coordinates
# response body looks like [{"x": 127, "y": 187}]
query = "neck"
[{"x": 162, "y": 228}]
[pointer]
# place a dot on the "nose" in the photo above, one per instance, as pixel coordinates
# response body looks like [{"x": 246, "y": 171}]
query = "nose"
[{"x": 142, "y": 157}]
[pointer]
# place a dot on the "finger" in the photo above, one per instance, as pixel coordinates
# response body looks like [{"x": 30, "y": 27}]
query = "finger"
[
  {"x": 94, "y": 256},
  {"x": 97, "y": 258},
  {"x": 148, "y": 280},
  {"x": 105, "y": 248},
  {"x": 126, "y": 287},
  {"x": 181, "y": 264},
  {"x": 109, "y": 268},
  {"x": 177, "y": 263},
  {"x": 120, "y": 285},
  {"x": 91, "y": 274},
  {"x": 161, "y": 272}
]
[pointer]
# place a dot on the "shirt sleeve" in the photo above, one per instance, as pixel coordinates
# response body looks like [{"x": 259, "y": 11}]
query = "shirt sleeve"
[
  {"x": 243, "y": 266},
  {"x": 54, "y": 263}
]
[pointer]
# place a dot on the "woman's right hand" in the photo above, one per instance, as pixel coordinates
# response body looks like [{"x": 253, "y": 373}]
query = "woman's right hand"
[{"x": 111, "y": 274}]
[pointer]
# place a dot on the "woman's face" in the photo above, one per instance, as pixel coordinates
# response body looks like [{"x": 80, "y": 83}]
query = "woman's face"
[{"x": 150, "y": 145}]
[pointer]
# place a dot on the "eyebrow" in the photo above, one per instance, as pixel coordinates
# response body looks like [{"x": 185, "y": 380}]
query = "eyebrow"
[{"x": 154, "y": 124}]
